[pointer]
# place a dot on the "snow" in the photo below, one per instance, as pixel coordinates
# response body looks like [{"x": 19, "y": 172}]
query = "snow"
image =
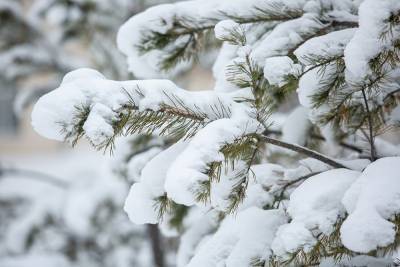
[
  {"x": 308, "y": 85},
  {"x": 371, "y": 202},
  {"x": 286, "y": 36},
  {"x": 153, "y": 174},
  {"x": 314, "y": 206},
  {"x": 226, "y": 54},
  {"x": 225, "y": 28},
  {"x": 98, "y": 124},
  {"x": 330, "y": 45},
  {"x": 136, "y": 164},
  {"x": 317, "y": 201},
  {"x": 278, "y": 69},
  {"x": 386, "y": 149},
  {"x": 291, "y": 237},
  {"x": 160, "y": 19},
  {"x": 140, "y": 203},
  {"x": 305, "y": 167},
  {"x": 297, "y": 127},
  {"x": 367, "y": 42},
  {"x": 35, "y": 259},
  {"x": 58, "y": 215},
  {"x": 395, "y": 116},
  {"x": 267, "y": 174},
  {"x": 199, "y": 225},
  {"x": 54, "y": 115},
  {"x": 187, "y": 171},
  {"x": 240, "y": 239}
]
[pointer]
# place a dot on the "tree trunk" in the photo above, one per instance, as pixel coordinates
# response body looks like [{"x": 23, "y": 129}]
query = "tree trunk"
[{"x": 156, "y": 245}]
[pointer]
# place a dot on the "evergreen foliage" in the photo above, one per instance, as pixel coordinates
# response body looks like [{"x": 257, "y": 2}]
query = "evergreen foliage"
[{"x": 222, "y": 143}]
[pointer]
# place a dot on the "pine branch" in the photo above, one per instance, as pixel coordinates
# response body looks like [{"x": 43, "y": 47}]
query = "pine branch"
[
  {"x": 370, "y": 127},
  {"x": 172, "y": 118},
  {"x": 321, "y": 138},
  {"x": 302, "y": 150},
  {"x": 189, "y": 35},
  {"x": 162, "y": 205},
  {"x": 244, "y": 149},
  {"x": 326, "y": 246}
]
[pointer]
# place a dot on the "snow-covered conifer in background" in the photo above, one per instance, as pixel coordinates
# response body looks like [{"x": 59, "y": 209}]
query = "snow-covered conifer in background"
[
  {"x": 72, "y": 219},
  {"x": 318, "y": 186},
  {"x": 26, "y": 53}
]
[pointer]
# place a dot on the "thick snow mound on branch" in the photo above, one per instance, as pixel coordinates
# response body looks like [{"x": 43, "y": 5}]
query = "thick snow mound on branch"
[
  {"x": 161, "y": 20},
  {"x": 140, "y": 205},
  {"x": 224, "y": 28},
  {"x": 278, "y": 69},
  {"x": 57, "y": 107},
  {"x": 330, "y": 45},
  {"x": 57, "y": 114},
  {"x": 240, "y": 239},
  {"x": 187, "y": 172},
  {"x": 368, "y": 41},
  {"x": 314, "y": 205},
  {"x": 371, "y": 202},
  {"x": 199, "y": 226},
  {"x": 286, "y": 36}
]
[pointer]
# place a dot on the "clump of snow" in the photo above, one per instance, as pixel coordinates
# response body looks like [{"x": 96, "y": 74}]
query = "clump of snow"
[
  {"x": 297, "y": 126},
  {"x": 161, "y": 19},
  {"x": 98, "y": 124},
  {"x": 199, "y": 225},
  {"x": 308, "y": 85},
  {"x": 286, "y": 36},
  {"x": 187, "y": 171},
  {"x": 225, "y": 28},
  {"x": 367, "y": 41},
  {"x": 314, "y": 206},
  {"x": 371, "y": 202},
  {"x": 244, "y": 51},
  {"x": 278, "y": 69},
  {"x": 329, "y": 45},
  {"x": 395, "y": 116},
  {"x": 226, "y": 53},
  {"x": 140, "y": 205},
  {"x": 54, "y": 115},
  {"x": 136, "y": 164},
  {"x": 240, "y": 239}
]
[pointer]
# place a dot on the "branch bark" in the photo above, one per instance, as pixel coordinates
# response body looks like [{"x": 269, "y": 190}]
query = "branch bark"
[
  {"x": 319, "y": 137},
  {"x": 370, "y": 127},
  {"x": 303, "y": 150}
]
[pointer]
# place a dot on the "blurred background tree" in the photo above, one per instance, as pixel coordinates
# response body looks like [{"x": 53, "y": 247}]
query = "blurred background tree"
[{"x": 49, "y": 214}]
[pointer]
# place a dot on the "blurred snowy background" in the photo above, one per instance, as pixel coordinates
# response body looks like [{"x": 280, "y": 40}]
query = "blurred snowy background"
[{"x": 61, "y": 206}]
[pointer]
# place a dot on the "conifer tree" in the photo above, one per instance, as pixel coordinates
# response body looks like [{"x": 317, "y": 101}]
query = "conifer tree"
[{"x": 242, "y": 183}]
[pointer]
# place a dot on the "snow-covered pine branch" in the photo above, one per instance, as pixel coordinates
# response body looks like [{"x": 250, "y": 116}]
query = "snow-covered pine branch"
[
  {"x": 334, "y": 207},
  {"x": 86, "y": 103}
]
